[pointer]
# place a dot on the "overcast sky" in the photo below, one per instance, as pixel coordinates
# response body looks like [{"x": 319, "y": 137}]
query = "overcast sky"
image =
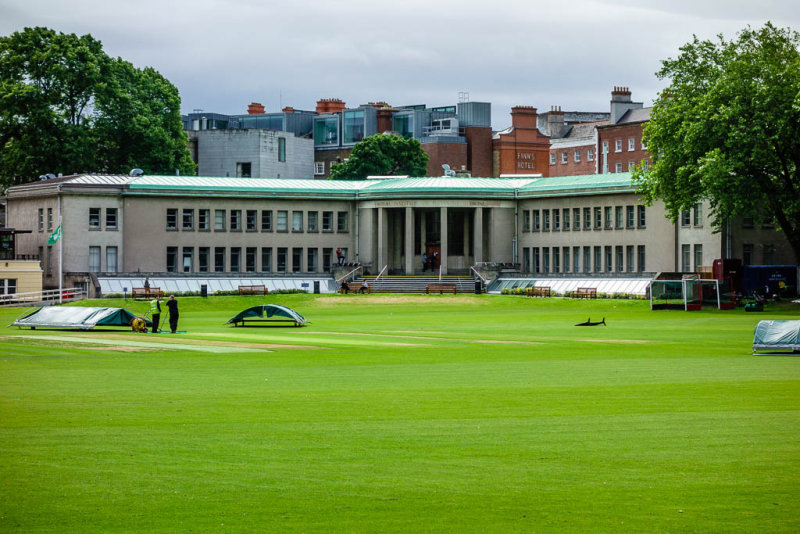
[{"x": 224, "y": 54}]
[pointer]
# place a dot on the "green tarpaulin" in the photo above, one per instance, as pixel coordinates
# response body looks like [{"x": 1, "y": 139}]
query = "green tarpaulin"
[
  {"x": 75, "y": 317},
  {"x": 267, "y": 313},
  {"x": 777, "y": 335}
]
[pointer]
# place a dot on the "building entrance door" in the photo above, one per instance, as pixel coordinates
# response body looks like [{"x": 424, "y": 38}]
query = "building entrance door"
[{"x": 434, "y": 253}]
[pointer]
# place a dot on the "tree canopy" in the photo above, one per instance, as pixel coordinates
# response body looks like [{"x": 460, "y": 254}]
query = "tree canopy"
[
  {"x": 66, "y": 106},
  {"x": 382, "y": 155},
  {"x": 727, "y": 130}
]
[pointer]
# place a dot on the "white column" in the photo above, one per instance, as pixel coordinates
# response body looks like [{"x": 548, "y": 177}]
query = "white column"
[
  {"x": 409, "y": 248},
  {"x": 478, "y": 235},
  {"x": 381, "y": 240}
]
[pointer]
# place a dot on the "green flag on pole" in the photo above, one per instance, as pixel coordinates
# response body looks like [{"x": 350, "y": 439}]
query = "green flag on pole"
[{"x": 55, "y": 236}]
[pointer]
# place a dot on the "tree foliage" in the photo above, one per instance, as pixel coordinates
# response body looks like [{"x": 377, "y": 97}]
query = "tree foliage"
[
  {"x": 727, "y": 130},
  {"x": 382, "y": 155},
  {"x": 66, "y": 106}
]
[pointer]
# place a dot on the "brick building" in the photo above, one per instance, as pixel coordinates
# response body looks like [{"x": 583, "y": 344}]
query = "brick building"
[
  {"x": 621, "y": 139},
  {"x": 522, "y": 148}
]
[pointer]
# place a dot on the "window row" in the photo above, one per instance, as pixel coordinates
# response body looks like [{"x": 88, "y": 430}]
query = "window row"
[
  {"x": 618, "y": 143},
  {"x": 49, "y": 219},
  {"x": 255, "y": 220},
  {"x": 686, "y": 257},
  {"x": 111, "y": 257},
  {"x": 693, "y": 217},
  {"x": 251, "y": 259},
  {"x": 597, "y": 218},
  {"x": 95, "y": 218},
  {"x": 576, "y": 156},
  {"x": 594, "y": 259}
]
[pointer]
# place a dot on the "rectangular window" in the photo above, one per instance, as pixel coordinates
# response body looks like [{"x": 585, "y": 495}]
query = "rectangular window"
[
  {"x": 577, "y": 156},
  {"x": 327, "y": 259},
  {"x": 640, "y": 254},
  {"x": 94, "y": 259},
  {"x": 565, "y": 216},
  {"x": 203, "y": 221},
  {"x": 281, "y": 149},
  {"x": 297, "y": 259},
  {"x": 311, "y": 260},
  {"x": 629, "y": 216},
  {"x": 609, "y": 259},
  {"x": 641, "y": 216},
  {"x": 282, "y": 253},
  {"x": 564, "y": 157},
  {"x": 587, "y": 259},
  {"x": 552, "y": 158},
  {"x": 698, "y": 215},
  {"x": 236, "y": 259},
  {"x": 609, "y": 220},
  {"x": 297, "y": 221},
  {"x": 587, "y": 218},
  {"x": 251, "y": 220},
  {"x": 219, "y": 220},
  {"x": 685, "y": 258},
  {"x": 698, "y": 257},
  {"x": 605, "y": 147},
  {"x": 546, "y": 217},
  {"x": 250, "y": 259},
  {"x": 353, "y": 123},
  {"x": 203, "y": 254},
  {"x": 327, "y": 221},
  {"x": 111, "y": 218},
  {"x": 631, "y": 144},
  {"x": 556, "y": 260},
  {"x": 618, "y": 167},
  {"x": 219, "y": 259},
  {"x": 111, "y": 259},
  {"x": 537, "y": 262},
  {"x": 244, "y": 169},
  {"x": 319, "y": 168},
  {"x": 747, "y": 254},
  {"x": 526, "y": 221},
  {"x": 172, "y": 259},
  {"x": 619, "y": 217},
  {"x": 266, "y": 220},
  {"x": 686, "y": 217},
  {"x": 545, "y": 259},
  {"x": 283, "y": 221},
  {"x": 236, "y": 220},
  {"x": 748, "y": 222},
  {"x": 94, "y": 219},
  {"x": 49, "y": 267},
  {"x": 49, "y": 219},
  {"x": 620, "y": 259},
  {"x": 618, "y": 145},
  {"x": 598, "y": 259},
  {"x": 341, "y": 222},
  {"x": 576, "y": 218},
  {"x": 8, "y": 286},
  {"x": 556, "y": 220},
  {"x": 576, "y": 259},
  {"x": 631, "y": 166},
  {"x": 188, "y": 220},
  {"x": 526, "y": 260},
  {"x": 537, "y": 225},
  {"x": 313, "y": 225},
  {"x": 566, "y": 259},
  {"x": 598, "y": 218},
  {"x": 769, "y": 254},
  {"x": 187, "y": 262},
  {"x": 266, "y": 259},
  {"x": 41, "y": 220},
  {"x": 590, "y": 155}
]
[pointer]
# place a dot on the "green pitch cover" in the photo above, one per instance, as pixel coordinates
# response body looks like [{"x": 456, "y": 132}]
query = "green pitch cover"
[
  {"x": 75, "y": 317},
  {"x": 777, "y": 335},
  {"x": 272, "y": 312}
]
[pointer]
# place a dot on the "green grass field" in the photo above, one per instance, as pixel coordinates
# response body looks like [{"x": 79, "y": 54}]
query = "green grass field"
[{"x": 403, "y": 413}]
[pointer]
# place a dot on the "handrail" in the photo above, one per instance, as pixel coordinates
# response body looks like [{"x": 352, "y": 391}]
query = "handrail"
[
  {"x": 339, "y": 280},
  {"x": 44, "y": 295},
  {"x": 380, "y": 273},
  {"x": 485, "y": 281}
]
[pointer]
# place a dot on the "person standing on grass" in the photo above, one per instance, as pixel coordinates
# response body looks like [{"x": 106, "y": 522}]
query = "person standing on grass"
[
  {"x": 155, "y": 313},
  {"x": 172, "y": 305}
]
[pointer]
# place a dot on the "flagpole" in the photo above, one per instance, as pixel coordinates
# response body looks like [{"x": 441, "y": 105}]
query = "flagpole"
[{"x": 60, "y": 248}]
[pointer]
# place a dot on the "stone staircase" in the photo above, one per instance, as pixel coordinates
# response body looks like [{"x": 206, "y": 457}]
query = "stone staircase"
[{"x": 414, "y": 284}]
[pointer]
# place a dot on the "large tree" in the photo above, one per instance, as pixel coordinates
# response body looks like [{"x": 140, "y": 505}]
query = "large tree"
[
  {"x": 382, "y": 155},
  {"x": 727, "y": 130},
  {"x": 66, "y": 106}
]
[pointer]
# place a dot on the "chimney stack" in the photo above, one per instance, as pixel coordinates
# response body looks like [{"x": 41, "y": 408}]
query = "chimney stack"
[
  {"x": 255, "y": 108},
  {"x": 621, "y": 102},
  {"x": 523, "y": 117},
  {"x": 330, "y": 105}
]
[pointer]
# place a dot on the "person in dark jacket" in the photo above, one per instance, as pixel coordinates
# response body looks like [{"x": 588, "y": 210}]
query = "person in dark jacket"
[{"x": 172, "y": 305}]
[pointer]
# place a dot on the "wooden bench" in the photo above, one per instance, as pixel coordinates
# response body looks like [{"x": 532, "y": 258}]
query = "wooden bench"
[
  {"x": 585, "y": 293},
  {"x": 354, "y": 289},
  {"x": 253, "y": 290},
  {"x": 441, "y": 288},
  {"x": 540, "y": 291},
  {"x": 140, "y": 292}
]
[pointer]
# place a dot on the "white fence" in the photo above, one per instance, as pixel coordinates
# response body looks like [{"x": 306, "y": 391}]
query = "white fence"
[{"x": 49, "y": 296}]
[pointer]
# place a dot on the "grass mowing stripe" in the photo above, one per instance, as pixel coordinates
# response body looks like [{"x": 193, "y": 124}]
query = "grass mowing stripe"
[{"x": 147, "y": 344}]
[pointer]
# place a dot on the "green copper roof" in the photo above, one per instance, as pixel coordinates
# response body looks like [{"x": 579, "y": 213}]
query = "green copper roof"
[{"x": 588, "y": 183}]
